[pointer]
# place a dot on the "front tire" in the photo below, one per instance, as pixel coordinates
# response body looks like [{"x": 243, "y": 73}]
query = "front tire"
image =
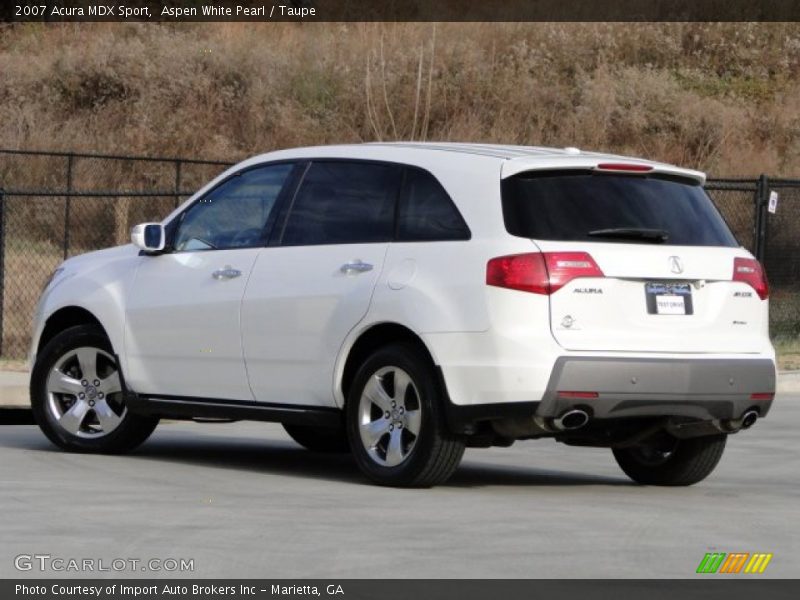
[
  {"x": 674, "y": 463},
  {"x": 395, "y": 421},
  {"x": 77, "y": 396}
]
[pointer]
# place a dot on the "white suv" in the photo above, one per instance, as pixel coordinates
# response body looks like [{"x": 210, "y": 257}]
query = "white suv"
[{"x": 405, "y": 301}]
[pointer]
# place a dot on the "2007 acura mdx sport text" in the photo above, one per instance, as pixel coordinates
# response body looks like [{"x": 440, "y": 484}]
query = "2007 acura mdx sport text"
[{"x": 407, "y": 300}]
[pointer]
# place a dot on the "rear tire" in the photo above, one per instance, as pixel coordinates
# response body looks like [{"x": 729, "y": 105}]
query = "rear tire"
[
  {"x": 77, "y": 396},
  {"x": 686, "y": 462},
  {"x": 332, "y": 440},
  {"x": 395, "y": 420}
]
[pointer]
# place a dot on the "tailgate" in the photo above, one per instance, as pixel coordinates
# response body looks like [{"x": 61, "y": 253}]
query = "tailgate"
[{"x": 643, "y": 305}]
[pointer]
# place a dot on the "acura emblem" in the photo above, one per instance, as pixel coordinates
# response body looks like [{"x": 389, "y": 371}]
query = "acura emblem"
[{"x": 675, "y": 264}]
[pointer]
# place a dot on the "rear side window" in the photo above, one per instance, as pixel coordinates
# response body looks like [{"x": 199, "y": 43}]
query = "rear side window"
[
  {"x": 427, "y": 212},
  {"x": 587, "y": 207},
  {"x": 343, "y": 203}
]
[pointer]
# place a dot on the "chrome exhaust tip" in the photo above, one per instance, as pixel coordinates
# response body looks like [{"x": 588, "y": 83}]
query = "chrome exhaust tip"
[
  {"x": 572, "y": 419},
  {"x": 749, "y": 419}
]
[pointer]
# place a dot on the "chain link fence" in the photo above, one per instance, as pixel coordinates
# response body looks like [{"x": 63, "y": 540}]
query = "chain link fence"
[
  {"x": 57, "y": 204},
  {"x": 735, "y": 200},
  {"x": 780, "y": 253},
  {"x": 772, "y": 234},
  {"x": 54, "y": 205}
]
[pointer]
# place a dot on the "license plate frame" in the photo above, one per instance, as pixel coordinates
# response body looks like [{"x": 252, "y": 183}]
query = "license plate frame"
[{"x": 668, "y": 298}]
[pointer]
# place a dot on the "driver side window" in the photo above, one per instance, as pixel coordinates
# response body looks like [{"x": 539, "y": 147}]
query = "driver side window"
[{"x": 234, "y": 214}]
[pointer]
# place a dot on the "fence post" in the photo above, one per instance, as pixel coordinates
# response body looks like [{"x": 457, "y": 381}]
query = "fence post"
[
  {"x": 68, "y": 200},
  {"x": 761, "y": 203},
  {"x": 178, "y": 184},
  {"x": 2, "y": 263}
]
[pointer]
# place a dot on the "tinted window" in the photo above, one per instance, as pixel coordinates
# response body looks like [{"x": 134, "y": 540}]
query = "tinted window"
[
  {"x": 234, "y": 214},
  {"x": 343, "y": 203},
  {"x": 427, "y": 212},
  {"x": 580, "y": 206}
]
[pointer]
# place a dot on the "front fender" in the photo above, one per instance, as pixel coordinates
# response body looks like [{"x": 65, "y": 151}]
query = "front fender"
[{"x": 98, "y": 282}]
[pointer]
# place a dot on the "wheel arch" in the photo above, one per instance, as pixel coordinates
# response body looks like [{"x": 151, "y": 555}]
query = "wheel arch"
[
  {"x": 64, "y": 318},
  {"x": 368, "y": 340}
]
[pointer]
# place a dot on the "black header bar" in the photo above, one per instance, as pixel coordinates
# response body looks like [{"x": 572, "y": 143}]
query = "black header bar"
[{"x": 170, "y": 11}]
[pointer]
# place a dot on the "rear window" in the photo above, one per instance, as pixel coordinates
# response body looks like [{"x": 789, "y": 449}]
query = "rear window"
[{"x": 588, "y": 207}]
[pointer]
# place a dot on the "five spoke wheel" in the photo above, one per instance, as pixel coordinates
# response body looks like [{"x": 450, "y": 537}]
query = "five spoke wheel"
[
  {"x": 390, "y": 415},
  {"x": 84, "y": 393},
  {"x": 77, "y": 394},
  {"x": 395, "y": 419}
]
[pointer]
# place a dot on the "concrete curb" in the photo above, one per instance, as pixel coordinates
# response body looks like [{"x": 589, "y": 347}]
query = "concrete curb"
[
  {"x": 788, "y": 382},
  {"x": 14, "y": 387}
]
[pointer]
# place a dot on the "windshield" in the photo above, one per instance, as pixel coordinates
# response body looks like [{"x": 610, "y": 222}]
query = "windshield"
[{"x": 589, "y": 207}]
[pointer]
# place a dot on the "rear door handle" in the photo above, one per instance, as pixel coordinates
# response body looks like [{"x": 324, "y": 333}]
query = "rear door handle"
[
  {"x": 227, "y": 272},
  {"x": 355, "y": 266}
]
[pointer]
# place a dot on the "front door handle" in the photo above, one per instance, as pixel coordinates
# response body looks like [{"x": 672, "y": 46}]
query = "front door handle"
[
  {"x": 355, "y": 266},
  {"x": 226, "y": 273}
]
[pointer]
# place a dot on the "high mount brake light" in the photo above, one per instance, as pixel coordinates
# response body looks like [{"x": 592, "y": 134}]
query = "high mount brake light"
[
  {"x": 624, "y": 167},
  {"x": 540, "y": 272},
  {"x": 749, "y": 271}
]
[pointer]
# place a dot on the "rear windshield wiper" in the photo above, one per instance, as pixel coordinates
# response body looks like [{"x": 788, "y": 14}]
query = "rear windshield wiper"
[{"x": 632, "y": 233}]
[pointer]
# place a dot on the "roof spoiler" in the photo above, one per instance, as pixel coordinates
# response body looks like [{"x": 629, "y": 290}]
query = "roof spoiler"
[{"x": 605, "y": 164}]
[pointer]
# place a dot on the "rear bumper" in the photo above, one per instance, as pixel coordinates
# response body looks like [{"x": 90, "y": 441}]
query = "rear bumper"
[{"x": 705, "y": 389}]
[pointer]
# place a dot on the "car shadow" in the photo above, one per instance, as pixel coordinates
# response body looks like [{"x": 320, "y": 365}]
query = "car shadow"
[
  {"x": 285, "y": 458},
  {"x": 481, "y": 475},
  {"x": 288, "y": 459},
  {"x": 252, "y": 454},
  {"x": 16, "y": 416}
]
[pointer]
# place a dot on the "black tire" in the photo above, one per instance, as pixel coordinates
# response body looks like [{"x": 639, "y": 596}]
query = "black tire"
[
  {"x": 436, "y": 452},
  {"x": 131, "y": 429},
  {"x": 331, "y": 440},
  {"x": 687, "y": 462}
]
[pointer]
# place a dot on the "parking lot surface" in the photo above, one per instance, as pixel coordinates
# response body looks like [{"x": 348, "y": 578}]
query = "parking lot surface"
[{"x": 242, "y": 500}]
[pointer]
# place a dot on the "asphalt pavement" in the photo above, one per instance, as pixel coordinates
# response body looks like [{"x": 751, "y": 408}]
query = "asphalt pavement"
[{"x": 242, "y": 500}]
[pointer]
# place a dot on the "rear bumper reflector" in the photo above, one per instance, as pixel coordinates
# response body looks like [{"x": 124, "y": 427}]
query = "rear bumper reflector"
[{"x": 587, "y": 395}]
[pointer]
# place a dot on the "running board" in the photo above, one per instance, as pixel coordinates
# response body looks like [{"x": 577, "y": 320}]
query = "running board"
[{"x": 180, "y": 407}]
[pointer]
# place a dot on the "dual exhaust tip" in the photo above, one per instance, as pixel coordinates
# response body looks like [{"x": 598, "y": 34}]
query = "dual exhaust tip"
[
  {"x": 749, "y": 419},
  {"x": 577, "y": 418},
  {"x": 572, "y": 419}
]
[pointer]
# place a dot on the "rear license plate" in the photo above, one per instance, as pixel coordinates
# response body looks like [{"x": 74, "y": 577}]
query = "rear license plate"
[{"x": 669, "y": 298}]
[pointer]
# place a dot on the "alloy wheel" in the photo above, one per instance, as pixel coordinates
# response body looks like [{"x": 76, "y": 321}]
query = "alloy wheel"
[
  {"x": 389, "y": 416},
  {"x": 84, "y": 393}
]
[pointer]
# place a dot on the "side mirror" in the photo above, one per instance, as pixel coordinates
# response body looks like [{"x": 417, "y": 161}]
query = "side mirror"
[{"x": 149, "y": 237}]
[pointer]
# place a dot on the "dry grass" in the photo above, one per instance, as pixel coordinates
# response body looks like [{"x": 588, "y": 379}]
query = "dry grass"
[{"x": 722, "y": 97}]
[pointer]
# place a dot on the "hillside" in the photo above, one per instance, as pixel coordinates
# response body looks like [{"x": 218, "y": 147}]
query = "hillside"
[{"x": 721, "y": 97}]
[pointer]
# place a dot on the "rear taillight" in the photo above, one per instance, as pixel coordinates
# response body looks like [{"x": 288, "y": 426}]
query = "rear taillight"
[
  {"x": 524, "y": 272},
  {"x": 749, "y": 271},
  {"x": 540, "y": 273},
  {"x": 563, "y": 267}
]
